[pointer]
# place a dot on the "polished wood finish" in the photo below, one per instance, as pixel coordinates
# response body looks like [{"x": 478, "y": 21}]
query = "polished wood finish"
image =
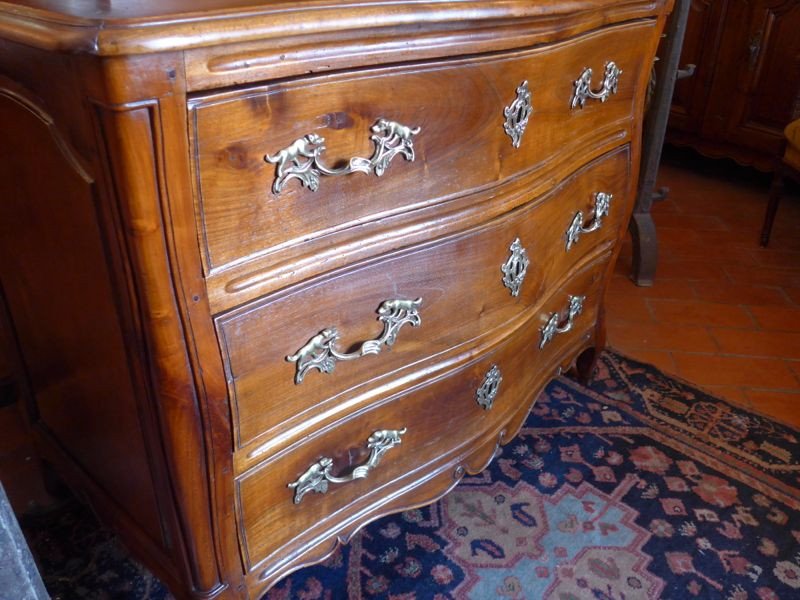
[
  {"x": 746, "y": 88},
  {"x": 243, "y": 221},
  {"x": 155, "y": 284},
  {"x": 257, "y": 338},
  {"x": 427, "y": 412}
]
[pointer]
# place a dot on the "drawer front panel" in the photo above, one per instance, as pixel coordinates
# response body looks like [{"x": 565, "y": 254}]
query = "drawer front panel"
[
  {"x": 464, "y": 295},
  {"x": 429, "y": 441},
  {"x": 461, "y": 146}
]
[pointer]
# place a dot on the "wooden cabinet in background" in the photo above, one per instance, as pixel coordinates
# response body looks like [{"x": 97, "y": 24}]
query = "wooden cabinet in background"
[{"x": 747, "y": 84}]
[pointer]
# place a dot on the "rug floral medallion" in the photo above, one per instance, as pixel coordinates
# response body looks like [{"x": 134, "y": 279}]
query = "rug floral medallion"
[{"x": 638, "y": 487}]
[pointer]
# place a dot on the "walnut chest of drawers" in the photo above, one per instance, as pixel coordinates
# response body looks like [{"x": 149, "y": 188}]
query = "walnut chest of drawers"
[{"x": 274, "y": 269}]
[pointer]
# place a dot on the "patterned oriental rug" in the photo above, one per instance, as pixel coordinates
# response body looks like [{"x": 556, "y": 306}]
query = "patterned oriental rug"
[{"x": 638, "y": 487}]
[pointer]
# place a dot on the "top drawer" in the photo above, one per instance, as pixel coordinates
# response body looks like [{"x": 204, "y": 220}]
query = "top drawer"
[{"x": 459, "y": 110}]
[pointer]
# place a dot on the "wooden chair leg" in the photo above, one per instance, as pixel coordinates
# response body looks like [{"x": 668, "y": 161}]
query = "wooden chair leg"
[{"x": 775, "y": 192}]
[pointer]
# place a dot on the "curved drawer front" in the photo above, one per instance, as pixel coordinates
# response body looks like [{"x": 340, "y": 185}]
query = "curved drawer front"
[
  {"x": 261, "y": 152},
  {"x": 332, "y": 472},
  {"x": 465, "y": 285}
]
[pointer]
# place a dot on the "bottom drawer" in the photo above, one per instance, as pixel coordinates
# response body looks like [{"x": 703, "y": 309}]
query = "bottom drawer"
[{"x": 342, "y": 475}]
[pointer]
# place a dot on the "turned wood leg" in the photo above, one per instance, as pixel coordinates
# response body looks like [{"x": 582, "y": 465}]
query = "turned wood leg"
[
  {"x": 645, "y": 248},
  {"x": 775, "y": 192}
]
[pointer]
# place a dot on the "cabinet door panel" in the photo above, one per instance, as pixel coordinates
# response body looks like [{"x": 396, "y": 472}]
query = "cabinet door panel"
[
  {"x": 747, "y": 84},
  {"x": 761, "y": 87},
  {"x": 54, "y": 276}
]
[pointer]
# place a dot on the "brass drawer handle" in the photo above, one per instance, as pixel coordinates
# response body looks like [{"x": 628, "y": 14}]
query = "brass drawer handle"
[
  {"x": 319, "y": 352},
  {"x": 515, "y": 268},
  {"x": 302, "y": 159},
  {"x": 583, "y": 85},
  {"x": 318, "y": 475},
  {"x": 602, "y": 202},
  {"x": 554, "y": 322},
  {"x": 517, "y": 114},
  {"x": 488, "y": 389}
]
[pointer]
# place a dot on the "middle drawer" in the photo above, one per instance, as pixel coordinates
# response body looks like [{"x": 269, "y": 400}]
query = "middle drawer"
[{"x": 466, "y": 284}]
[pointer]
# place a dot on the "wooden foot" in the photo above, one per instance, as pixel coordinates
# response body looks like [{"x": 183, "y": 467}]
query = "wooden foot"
[{"x": 645, "y": 248}]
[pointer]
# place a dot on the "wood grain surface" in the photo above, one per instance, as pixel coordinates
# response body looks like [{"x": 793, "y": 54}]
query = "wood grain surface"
[
  {"x": 429, "y": 412},
  {"x": 461, "y": 147},
  {"x": 257, "y": 338}
]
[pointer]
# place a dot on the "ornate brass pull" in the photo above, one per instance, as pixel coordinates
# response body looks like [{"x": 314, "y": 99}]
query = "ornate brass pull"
[
  {"x": 318, "y": 475},
  {"x": 554, "y": 326},
  {"x": 319, "y": 352},
  {"x": 583, "y": 85},
  {"x": 488, "y": 389},
  {"x": 302, "y": 159},
  {"x": 517, "y": 114},
  {"x": 515, "y": 268},
  {"x": 602, "y": 202}
]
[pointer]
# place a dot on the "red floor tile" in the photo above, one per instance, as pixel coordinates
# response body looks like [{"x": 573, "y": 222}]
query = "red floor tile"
[
  {"x": 699, "y": 313},
  {"x": 793, "y": 293},
  {"x": 723, "y": 312},
  {"x": 747, "y": 371},
  {"x": 781, "y": 259},
  {"x": 628, "y": 308},
  {"x": 691, "y": 270},
  {"x": 735, "y": 394},
  {"x": 777, "y": 318},
  {"x": 694, "y": 222},
  {"x": 675, "y": 289},
  {"x": 739, "y": 293},
  {"x": 782, "y": 405},
  {"x": 779, "y": 344},
  {"x": 747, "y": 275},
  {"x": 660, "y": 336}
]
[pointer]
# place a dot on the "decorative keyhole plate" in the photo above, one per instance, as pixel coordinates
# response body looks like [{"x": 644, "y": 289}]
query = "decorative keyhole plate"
[
  {"x": 517, "y": 114},
  {"x": 515, "y": 268},
  {"x": 487, "y": 392}
]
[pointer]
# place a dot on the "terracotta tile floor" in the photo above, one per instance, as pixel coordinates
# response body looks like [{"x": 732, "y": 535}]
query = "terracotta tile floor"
[{"x": 723, "y": 312}]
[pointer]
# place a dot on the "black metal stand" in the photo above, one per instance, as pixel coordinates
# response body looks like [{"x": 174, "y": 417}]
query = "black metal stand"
[{"x": 641, "y": 225}]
